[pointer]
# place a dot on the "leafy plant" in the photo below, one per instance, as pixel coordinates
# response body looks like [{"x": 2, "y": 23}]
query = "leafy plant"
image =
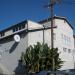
[{"x": 40, "y": 57}]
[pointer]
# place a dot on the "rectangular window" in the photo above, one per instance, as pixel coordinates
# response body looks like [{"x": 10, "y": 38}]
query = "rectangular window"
[
  {"x": 16, "y": 29},
  {"x": 23, "y": 26},
  {"x": 69, "y": 50},
  {"x": 19, "y": 27},
  {"x": 62, "y": 36},
  {"x": 69, "y": 41},
  {"x": 2, "y": 34},
  {"x": 65, "y": 49},
  {"x": 64, "y": 39}
]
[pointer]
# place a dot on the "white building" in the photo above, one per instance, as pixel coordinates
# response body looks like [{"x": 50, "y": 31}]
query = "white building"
[
  {"x": 30, "y": 33},
  {"x": 63, "y": 40}
]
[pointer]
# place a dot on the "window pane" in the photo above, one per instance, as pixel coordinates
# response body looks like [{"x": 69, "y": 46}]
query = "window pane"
[
  {"x": 2, "y": 34},
  {"x": 16, "y": 28},
  {"x": 69, "y": 50},
  {"x": 23, "y": 26},
  {"x": 64, "y": 49},
  {"x": 19, "y": 27}
]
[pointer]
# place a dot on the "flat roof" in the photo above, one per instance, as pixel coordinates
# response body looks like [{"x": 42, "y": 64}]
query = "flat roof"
[
  {"x": 45, "y": 20},
  {"x": 56, "y": 17},
  {"x": 15, "y": 25}
]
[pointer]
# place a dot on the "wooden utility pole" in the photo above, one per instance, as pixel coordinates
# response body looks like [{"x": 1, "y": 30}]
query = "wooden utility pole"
[
  {"x": 52, "y": 2},
  {"x": 51, "y": 6}
]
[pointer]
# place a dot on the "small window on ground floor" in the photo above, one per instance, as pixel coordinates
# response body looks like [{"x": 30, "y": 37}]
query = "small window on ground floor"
[
  {"x": 65, "y": 49},
  {"x": 69, "y": 50}
]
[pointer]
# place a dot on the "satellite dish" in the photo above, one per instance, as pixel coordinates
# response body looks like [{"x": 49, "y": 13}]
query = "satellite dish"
[{"x": 17, "y": 38}]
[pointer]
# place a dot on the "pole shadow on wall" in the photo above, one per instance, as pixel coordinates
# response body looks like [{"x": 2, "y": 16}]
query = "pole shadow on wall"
[{"x": 13, "y": 47}]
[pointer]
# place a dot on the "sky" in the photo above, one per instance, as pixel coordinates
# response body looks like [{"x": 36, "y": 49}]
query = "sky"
[{"x": 15, "y": 11}]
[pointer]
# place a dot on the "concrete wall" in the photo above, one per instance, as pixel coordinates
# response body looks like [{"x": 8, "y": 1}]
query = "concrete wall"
[
  {"x": 34, "y": 37},
  {"x": 12, "y": 52},
  {"x": 33, "y": 25},
  {"x": 65, "y": 39},
  {"x": 64, "y": 29}
]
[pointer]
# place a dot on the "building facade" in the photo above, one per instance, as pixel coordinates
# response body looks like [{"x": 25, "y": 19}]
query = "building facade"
[
  {"x": 30, "y": 33},
  {"x": 63, "y": 40}
]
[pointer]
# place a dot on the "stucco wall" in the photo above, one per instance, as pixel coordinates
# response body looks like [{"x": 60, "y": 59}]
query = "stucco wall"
[
  {"x": 34, "y": 37},
  {"x": 12, "y": 52},
  {"x": 64, "y": 29}
]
